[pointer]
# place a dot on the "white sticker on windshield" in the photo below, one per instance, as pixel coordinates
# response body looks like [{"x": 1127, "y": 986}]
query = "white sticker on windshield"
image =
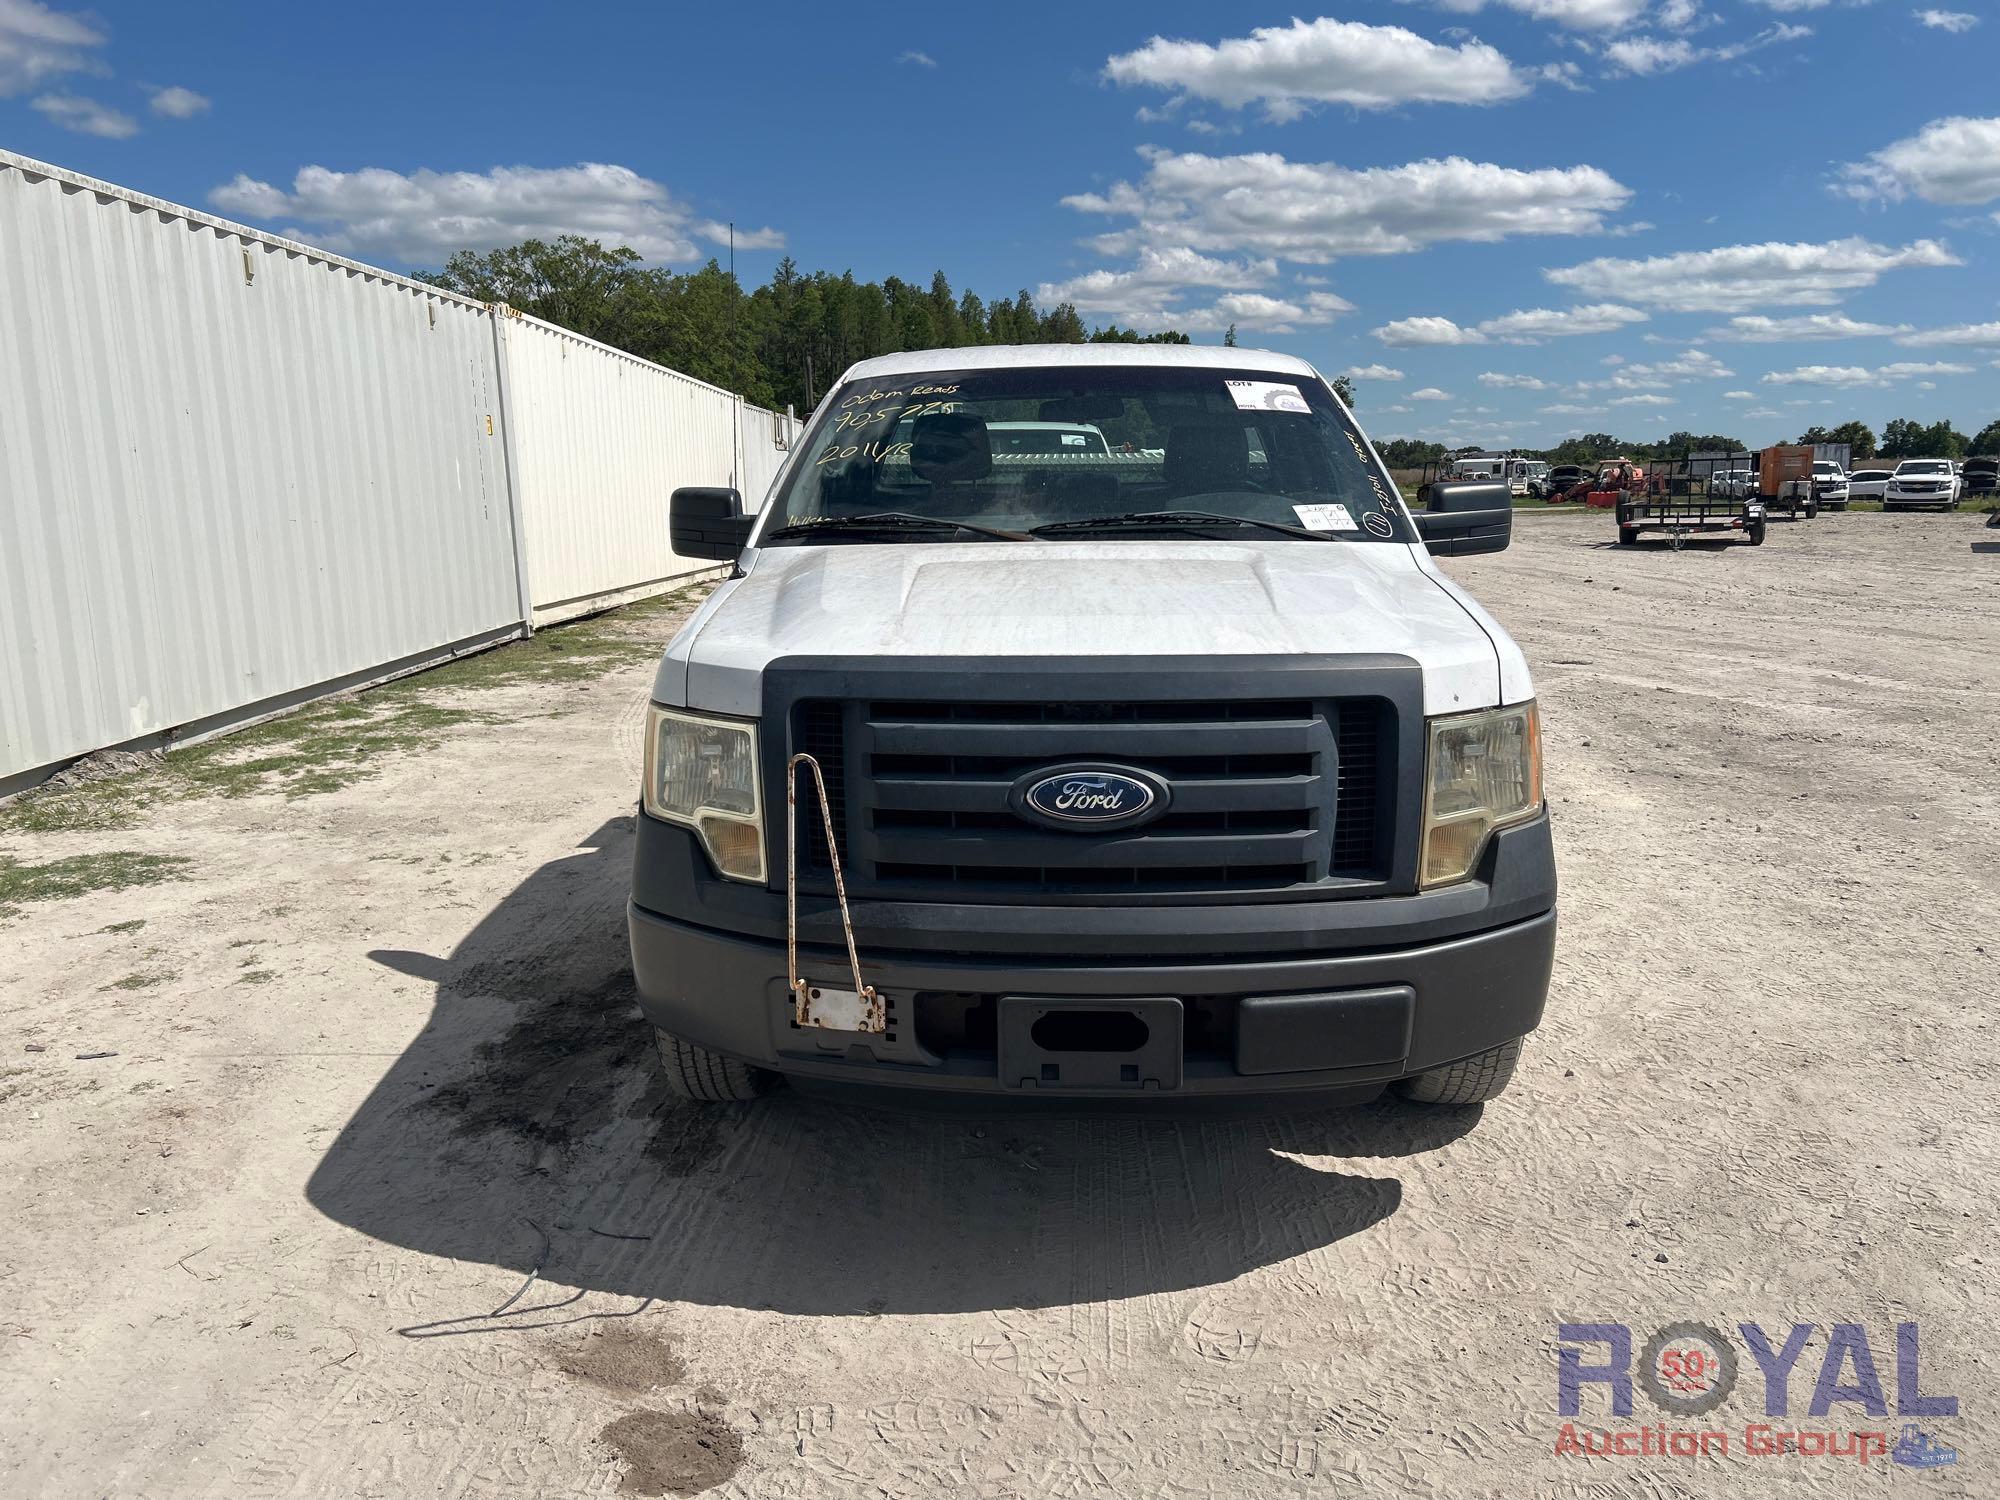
[
  {"x": 1324, "y": 518},
  {"x": 1266, "y": 395}
]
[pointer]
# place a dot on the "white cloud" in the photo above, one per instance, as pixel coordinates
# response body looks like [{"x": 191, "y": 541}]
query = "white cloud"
[
  {"x": 1415, "y": 333},
  {"x": 1739, "y": 395},
  {"x": 1737, "y": 278},
  {"x": 1846, "y": 375},
  {"x": 1643, "y": 401},
  {"x": 1680, "y": 15},
  {"x": 1585, "y": 15},
  {"x": 177, "y": 103},
  {"x": 1650, "y": 54},
  {"x": 1974, "y": 335},
  {"x": 424, "y": 217},
  {"x": 1288, "y": 69},
  {"x": 1689, "y": 364},
  {"x": 37, "y": 44},
  {"x": 1372, "y": 372},
  {"x": 1954, "y": 21},
  {"x": 85, "y": 116},
  {"x": 1263, "y": 204},
  {"x": 1537, "y": 323},
  {"x": 1528, "y": 326},
  {"x": 1430, "y": 393},
  {"x": 1146, "y": 294},
  {"x": 1759, "y": 329},
  {"x": 1955, "y": 160},
  {"x": 1498, "y": 381},
  {"x": 1565, "y": 409},
  {"x": 920, "y": 59}
]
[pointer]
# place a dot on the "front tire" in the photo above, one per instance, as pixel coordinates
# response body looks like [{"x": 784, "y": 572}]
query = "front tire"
[
  {"x": 1472, "y": 1080},
  {"x": 1755, "y": 532},
  {"x": 707, "y": 1077}
]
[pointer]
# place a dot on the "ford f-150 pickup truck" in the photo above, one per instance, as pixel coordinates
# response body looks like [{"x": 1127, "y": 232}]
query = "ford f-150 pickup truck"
[{"x": 1167, "y": 765}]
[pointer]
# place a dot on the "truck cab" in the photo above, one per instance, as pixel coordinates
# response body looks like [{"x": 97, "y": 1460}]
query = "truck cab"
[{"x": 1174, "y": 768}]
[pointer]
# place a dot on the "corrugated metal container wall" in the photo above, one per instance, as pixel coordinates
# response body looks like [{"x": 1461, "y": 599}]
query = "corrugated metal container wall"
[
  {"x": 764, "y": 442},
  {"x": 231, "y": 469},
  {"x": 601, "y": 439}
]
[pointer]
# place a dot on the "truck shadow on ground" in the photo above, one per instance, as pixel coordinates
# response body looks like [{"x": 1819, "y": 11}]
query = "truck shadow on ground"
[{"x": 525, "y": 1128}]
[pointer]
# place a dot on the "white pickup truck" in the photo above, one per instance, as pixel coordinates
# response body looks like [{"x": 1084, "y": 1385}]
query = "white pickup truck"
[{"x": 1170, "y": 765}]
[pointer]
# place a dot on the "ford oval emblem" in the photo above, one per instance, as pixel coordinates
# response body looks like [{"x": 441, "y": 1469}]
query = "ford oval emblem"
[{"x": 1089, "y": 796}]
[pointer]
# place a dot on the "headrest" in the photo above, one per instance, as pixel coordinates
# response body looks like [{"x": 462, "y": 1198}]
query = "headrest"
[
  {"x": 950, "y": 447},
  {"x": 1208, "y": 453}
]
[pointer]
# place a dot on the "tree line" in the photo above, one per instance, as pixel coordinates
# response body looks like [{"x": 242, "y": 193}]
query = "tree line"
[
  {"x": 778, "y": 345},
  {"x": 1901, "y": 438},
  {"x": 1904, "y": 438}
]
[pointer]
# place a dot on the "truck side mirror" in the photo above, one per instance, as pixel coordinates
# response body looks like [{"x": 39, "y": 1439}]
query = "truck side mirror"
[
  {"x": 1463, "y": 516},
  {"x": 704, "y": 521}
]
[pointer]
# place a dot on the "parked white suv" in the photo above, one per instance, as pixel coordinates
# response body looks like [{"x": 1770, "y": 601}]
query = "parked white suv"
[
  {"x": 1923, "y": 481},
  {"x": 1867, "y": 484},
  {"x": 1179, "y": 767},
  {"x": 1830, "y": 484}
]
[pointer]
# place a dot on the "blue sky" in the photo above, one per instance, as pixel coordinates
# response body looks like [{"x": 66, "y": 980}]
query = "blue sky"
[{"x": 1517, "y": 218}]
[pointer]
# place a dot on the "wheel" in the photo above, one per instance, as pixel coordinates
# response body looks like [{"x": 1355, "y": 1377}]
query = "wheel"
[
  {"x": 696, "y": 1073},
  {"x": 1812, "y": 510},
  {"x": 1755, "y": 532},
  {"x": 1470, "y": 1081},
  {"x": 1627, "y": 537}
]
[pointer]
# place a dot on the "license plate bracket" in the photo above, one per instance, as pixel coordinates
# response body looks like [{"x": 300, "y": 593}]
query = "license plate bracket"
[{"x": 1062, "y": 1043}]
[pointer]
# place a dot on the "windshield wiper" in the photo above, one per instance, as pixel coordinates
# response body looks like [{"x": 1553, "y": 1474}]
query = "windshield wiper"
[
  {"x": 888, "y": 520},
  {"x": 1174, "y": 520}
]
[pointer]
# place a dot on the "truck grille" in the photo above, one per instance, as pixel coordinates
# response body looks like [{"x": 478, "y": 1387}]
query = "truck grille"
[{"x": 1267, "y": 794}]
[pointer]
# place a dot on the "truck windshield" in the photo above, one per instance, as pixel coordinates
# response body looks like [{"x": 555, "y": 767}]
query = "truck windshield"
[{"x": 1017, "y": 449}]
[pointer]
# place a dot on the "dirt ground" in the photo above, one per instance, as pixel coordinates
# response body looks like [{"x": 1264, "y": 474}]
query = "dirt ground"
[{"x": 374, "y": 1060}]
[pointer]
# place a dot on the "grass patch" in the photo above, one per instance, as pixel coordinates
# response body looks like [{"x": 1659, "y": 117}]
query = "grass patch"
[
  {"x": 256, "y": 976},
  {"x": 125, "y": 928},
  {"x": 327, "y": 746},
  {"x": 81, "y": 874},
  {"x": 141, "y": 981}
]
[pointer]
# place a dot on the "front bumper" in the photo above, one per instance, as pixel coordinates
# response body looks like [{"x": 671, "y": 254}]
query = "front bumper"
[{"x": 1459, "y": 971}]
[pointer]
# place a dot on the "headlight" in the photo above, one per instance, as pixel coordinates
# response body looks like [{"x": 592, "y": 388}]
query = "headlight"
[
  {"x": 1485, "y": 772},
  {"x": 701, "y": 772}
]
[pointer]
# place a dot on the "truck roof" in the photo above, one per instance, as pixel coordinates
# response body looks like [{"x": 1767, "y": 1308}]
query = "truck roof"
[{"x": 1034, "y": 356}]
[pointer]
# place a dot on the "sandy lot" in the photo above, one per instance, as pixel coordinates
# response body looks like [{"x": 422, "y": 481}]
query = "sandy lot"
[{"x": 375, "y": 1060}]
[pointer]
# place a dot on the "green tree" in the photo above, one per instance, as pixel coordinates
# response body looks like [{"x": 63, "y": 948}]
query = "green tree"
[
  {"x": 1410, "y": 453},
  {"x": 1343, "y": 387},
  {"x": 1859, "y": 437},
  {"x": 1942, "y": 440},
  {"x": 1229, "y": 338},
  {"x": 1902, "y": 438},
  {"x": 783, "y": 343},
  {"x": 573, "y": 281},
  {"x": 1987, "y": 443}
]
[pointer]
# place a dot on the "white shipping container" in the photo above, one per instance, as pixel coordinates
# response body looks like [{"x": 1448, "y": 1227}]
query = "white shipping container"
[
  {"x": 233, "y": 470},
  {"x": 601, "y": 439},
  {"x": 237, "y": 472}
]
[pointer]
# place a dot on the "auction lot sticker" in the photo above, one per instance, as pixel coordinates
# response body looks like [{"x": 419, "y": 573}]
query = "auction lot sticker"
[{"x": 1266, "y": 395}]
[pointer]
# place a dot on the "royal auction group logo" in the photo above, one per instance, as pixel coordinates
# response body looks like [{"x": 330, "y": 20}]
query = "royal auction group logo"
[{"x": 1690, "y": 1370}]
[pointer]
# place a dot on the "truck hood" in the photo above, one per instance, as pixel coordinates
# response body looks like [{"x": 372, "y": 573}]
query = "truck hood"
[{"x": 1066, "y": 599}]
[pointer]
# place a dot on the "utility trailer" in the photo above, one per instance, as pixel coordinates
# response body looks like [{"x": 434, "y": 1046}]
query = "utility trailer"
[{"x": 1699, "y": 495}]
